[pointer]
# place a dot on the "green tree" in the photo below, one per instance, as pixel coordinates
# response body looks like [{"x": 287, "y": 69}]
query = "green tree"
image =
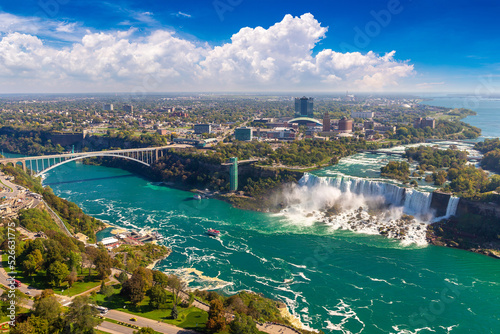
[
  {"x": 72, "y": 278},
  {"x": 133, "y": 289},
  {"x": 160, "y": 278},
  {"x": 74, "y": 260},
  {"x": 123, "y": 277},
  {"x": 242, "y": 324},
  {"x": 33, "y": 262},
  {"x": 216, "y": 317},
  {"x": 145, "y": 330},
  {"x": 29, "y": 265},
  {"x": 177, "y": 286},
  {"x": 88, "y": 258},
  {"x": 103, "y": 263},
  {"x": 47, "y": 308},
  {"x": 101, "y": 289},
  {"x": 57, "y": 273},
  {"x": 157, "y": 297},
  {"x": 439, "y": 177},
  {"x": 107, "y": 291},
  {"x": 175, "y": 312},
  {"x": 80, "y": 318},
  {"x": 34, "y": 325},
  {"x": 147, "y": 276}
]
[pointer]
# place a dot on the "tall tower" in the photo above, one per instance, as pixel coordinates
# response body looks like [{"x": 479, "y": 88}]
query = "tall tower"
[
  {"x": 326, "y": 122},
  {"x": 304, "y": 106},
  {"x": 233, "y": 174}
]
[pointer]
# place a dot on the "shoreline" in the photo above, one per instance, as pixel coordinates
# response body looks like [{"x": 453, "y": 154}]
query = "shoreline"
[
  {"x": 482, "y": 251},
  {"x": 446, "y": 233},
  {"x": 294, "y": 320}
]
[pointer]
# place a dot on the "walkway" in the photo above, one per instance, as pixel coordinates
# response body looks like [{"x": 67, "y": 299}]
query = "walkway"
[
  {"x": 145, "y": 322},
  {"x": 112, "y": 328}
]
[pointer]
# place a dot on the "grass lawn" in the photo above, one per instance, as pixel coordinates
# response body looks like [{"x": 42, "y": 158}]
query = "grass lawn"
[
  {"x": 78, "y": 287},
  {"x": 40, "y": 281},
  {"x": 189, "y": 318}
]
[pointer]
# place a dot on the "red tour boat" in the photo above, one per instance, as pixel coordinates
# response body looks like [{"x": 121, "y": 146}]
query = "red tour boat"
[{"x": 213, "y": 233}]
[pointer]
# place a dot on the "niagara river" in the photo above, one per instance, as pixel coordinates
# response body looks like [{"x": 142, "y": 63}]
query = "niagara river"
[{"x": 332, "y": 276}]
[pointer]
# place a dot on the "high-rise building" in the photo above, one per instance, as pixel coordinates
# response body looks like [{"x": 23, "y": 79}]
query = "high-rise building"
[
  {"x": 326, "y": 122},
  {"x": 304, "y": 107},
  {"x": 243, "y": 134},
  {"x": 369, "y": 125},
  {"x": 202, "y": 128},
  {"x": 108, "y": 107},
  {"x": 128, "y": 108},
  {"x": 430, "y": 122},
  {"x": 424, "y": 122},
  {"x": 345, "y": 125}
]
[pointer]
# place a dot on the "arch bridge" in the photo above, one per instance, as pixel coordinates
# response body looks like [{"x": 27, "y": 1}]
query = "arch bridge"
[{"x": 41, "y": 164}]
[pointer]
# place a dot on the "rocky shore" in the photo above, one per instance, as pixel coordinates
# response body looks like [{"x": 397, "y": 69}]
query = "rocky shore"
[{"x": 467, "y": 232}]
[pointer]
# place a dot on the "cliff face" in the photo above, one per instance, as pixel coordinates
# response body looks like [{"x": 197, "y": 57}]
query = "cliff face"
[
  {"x": 490, "y": 210},
  {"x": 254, "y": 171},
  {"x": 66, "y": 139},
  {"x": 440, "y": 202}
]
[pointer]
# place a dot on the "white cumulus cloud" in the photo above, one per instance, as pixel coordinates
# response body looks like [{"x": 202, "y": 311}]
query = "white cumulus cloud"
[{"x": 281, "y": 57}]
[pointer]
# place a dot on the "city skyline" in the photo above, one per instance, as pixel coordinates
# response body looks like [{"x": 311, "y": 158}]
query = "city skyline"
[{"x": 59, "y": 46}]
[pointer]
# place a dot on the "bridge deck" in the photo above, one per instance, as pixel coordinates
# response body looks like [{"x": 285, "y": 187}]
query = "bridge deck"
[{"x": 72, "y": 155}]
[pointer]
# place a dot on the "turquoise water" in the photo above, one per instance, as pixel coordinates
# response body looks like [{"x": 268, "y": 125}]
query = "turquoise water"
[{"x": 342, "y": 282}]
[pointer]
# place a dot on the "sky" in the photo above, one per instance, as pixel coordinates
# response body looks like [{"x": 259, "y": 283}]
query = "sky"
[{"x": 142, "y": 46}]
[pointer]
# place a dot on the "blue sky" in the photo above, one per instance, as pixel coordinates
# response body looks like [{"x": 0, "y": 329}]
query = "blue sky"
[{"x": 202, "y": 45}]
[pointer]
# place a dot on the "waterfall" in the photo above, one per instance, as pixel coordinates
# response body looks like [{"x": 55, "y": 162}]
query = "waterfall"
[
  {"x": 451, "y": 209},
  {"x": 358, "y": 204},
  {"x": 417, "y": 202},
  {"x": 413, "y": 202}
]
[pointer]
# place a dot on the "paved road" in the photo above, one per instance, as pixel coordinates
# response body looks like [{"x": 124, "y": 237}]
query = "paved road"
[
  {"x": 113, "y": 328},
  {"x": 144, "y": 322},
  {"x": 6, "y": 192},
  {"x": 23, "y": 288},
  {"x": 276, "y": 329}
]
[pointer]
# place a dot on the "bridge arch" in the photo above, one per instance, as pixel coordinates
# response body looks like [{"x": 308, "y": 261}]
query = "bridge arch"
[{"x": 91, "y": 155}]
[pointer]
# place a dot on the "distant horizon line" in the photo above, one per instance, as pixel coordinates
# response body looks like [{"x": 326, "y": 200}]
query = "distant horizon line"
[{"x": 256, "y": 93}]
